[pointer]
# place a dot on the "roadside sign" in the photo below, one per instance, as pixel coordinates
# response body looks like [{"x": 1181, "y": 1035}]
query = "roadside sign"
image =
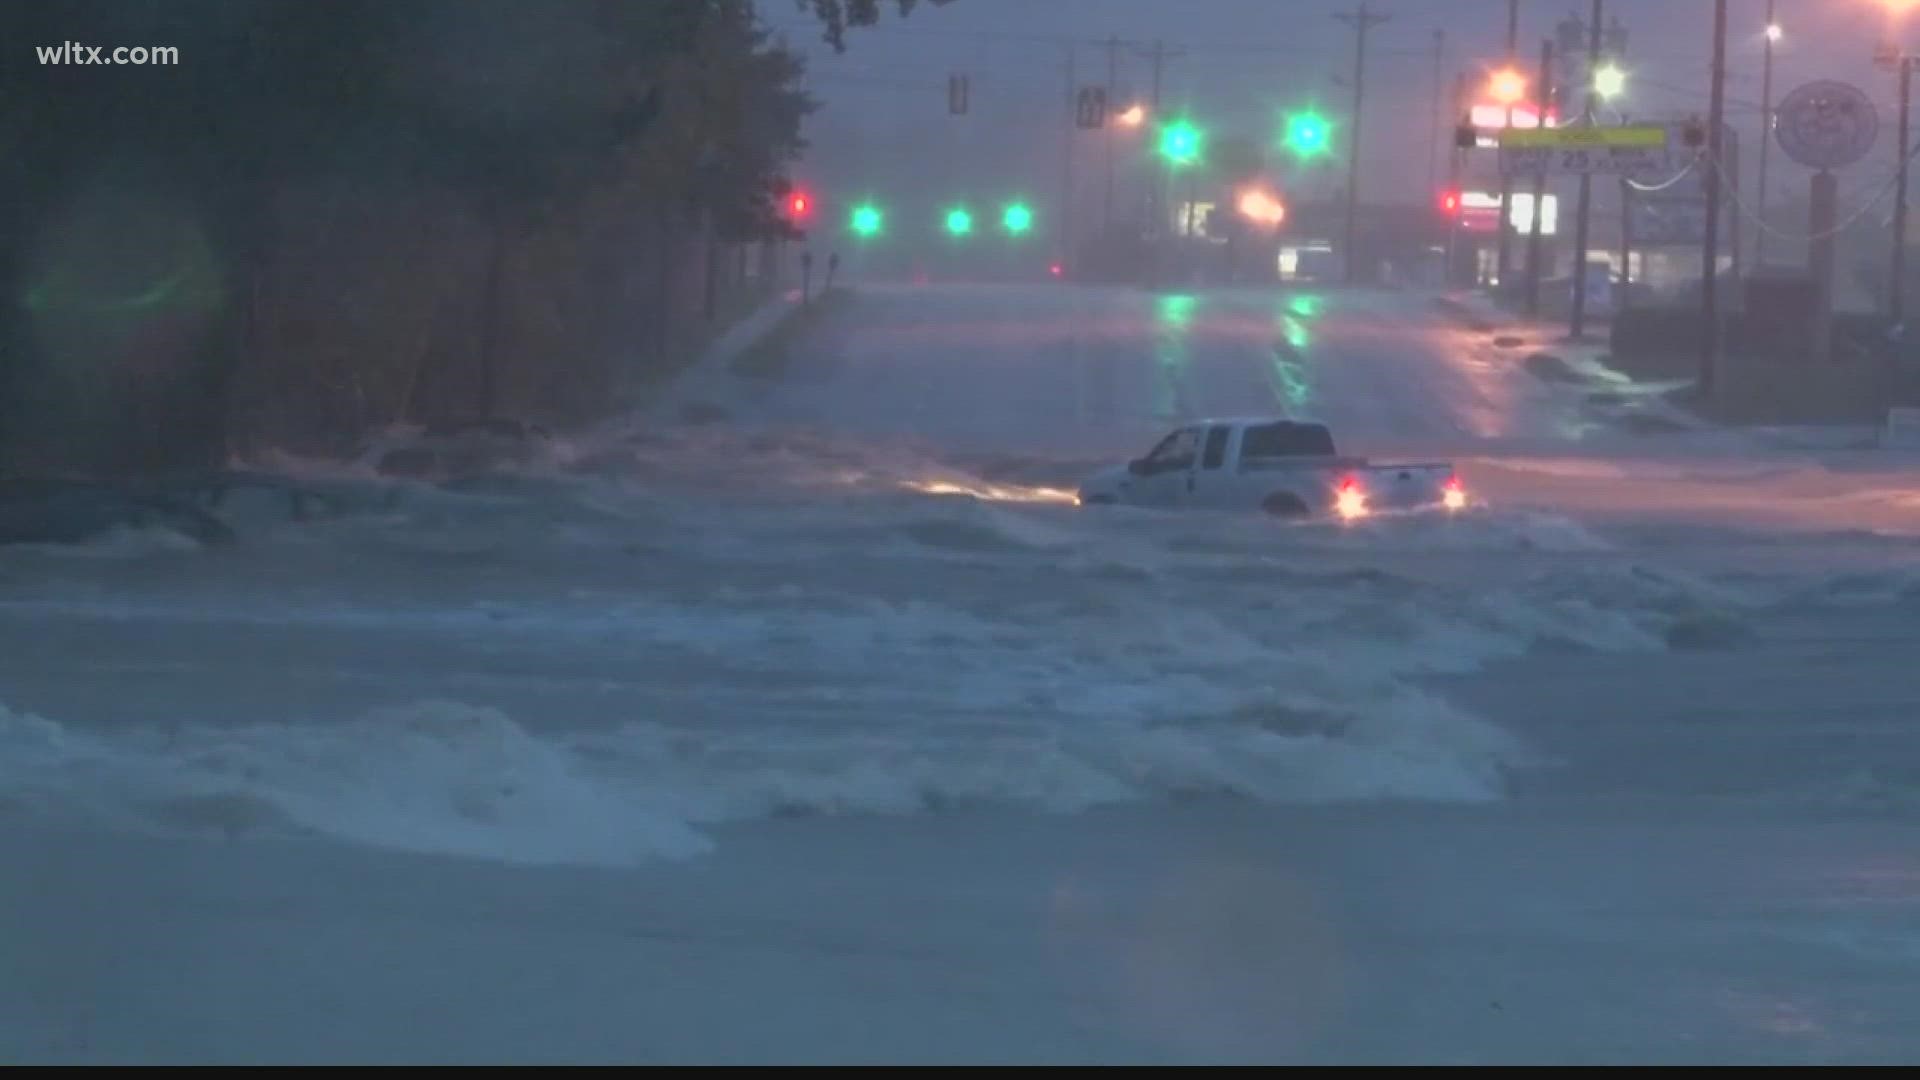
[
  {"x": 1826, "y": 124},
  {"x": 1633, "y": 150}
]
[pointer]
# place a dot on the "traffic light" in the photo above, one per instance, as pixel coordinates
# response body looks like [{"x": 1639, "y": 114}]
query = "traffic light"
[
  {"x": 1309, "y": 134},
  {"x": 799, "y": 207},
  {"x": 1016, "y": 218},
  {"x": 867, "y": 220},
  {"x": 1449, "y": 202},
  {"x": 959, "y": 221},
  {"x": 1465, "y": 135},
  {"x": 1090, "y": 107},
  {"x": 1180, "y": 142}
]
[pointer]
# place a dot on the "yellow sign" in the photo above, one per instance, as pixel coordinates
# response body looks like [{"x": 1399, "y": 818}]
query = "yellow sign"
[{"x": 1634, "y": 137}]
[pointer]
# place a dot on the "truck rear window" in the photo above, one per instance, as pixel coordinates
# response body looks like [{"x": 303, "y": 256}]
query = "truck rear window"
[{"x": 1287, "y": 439}]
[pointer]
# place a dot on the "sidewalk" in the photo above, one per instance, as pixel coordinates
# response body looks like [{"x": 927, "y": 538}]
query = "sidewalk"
[{"x": 1543, "y": 348}]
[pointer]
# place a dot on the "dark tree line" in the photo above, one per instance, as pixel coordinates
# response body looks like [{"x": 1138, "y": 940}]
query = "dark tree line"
[{"x": 332, "y": 216}]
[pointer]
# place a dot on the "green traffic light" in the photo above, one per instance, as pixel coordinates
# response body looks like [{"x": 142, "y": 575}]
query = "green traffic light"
[
  {"x": 1309, "y": 134},
  {"x": 1180, "y": 143},
  {"x": 1017, "y": 218},
  {"x": 868, "y": 220},
  {"x": 959, "y": 221}
]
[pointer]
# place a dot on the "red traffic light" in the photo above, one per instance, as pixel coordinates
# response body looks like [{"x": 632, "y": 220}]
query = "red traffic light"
[
  {"x": 1449, "y": 202},
  {"x": 799, "y": 205},
  {"x": 1056, "y": 269}
]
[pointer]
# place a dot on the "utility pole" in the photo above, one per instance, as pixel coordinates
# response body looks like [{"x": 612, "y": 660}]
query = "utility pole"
[
  {"x": 1626, "y": 245},
  {"x": 1453, "y": 180},
  {"x": 1064, "y": 227},
  {"x": 1503, "y": 259},
  {"x": 1361, "y": 21},
  {"x": 1536, "y": 218},
  {"x": 1577, "y": 325},
  {"x": 1710, "y": 248},
  {"x": 1156, "y": 198},
  {"x": 1897, "y": 299},
  {"x": 1113, "y": 71},
  {"x": 1766, "y": 139},
  {"x": 1439, "y": 104}
]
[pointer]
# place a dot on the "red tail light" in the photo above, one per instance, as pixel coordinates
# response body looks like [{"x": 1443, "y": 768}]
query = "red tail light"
[
  {"x": 1453, "y": 494},
  {"x": 1349, "y": 501}
]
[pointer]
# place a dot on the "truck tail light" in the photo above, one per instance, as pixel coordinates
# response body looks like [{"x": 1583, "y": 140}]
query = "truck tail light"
[{"x": 1350, "y": 499}]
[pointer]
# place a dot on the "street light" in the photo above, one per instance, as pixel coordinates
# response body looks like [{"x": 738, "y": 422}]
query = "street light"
[
  {"x": 1774, "y": 33},
  {"x": 1609, "y": 81},
  {"x": 1132, "y": 116},
  {"x": 1507, "y": 86},
  {"x": 1261, "y": 207}
]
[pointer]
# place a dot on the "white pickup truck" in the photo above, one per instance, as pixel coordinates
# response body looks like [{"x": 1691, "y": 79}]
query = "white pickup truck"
[{"x": 1284, "y": 467}]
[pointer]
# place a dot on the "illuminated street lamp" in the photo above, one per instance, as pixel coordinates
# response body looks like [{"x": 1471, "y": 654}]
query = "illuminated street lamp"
[
  {"x": 1507, "y": 86},
  {"x": 1774, "y": 33},
  {"x": 1609, "y": 81},
  {"x": 1261, "y": 207},
  {"x": 1132, "y": 116}
]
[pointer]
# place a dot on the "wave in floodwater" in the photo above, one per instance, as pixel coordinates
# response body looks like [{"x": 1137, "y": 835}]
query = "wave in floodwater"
[{"x": 795, "y": 624}]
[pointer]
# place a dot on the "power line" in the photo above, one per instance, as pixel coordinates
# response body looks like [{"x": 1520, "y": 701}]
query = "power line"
[{"x": 1295, "y": 50}]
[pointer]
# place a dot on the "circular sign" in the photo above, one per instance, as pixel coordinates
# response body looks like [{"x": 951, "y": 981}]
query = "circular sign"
[{"x": 1826, "y": 124}]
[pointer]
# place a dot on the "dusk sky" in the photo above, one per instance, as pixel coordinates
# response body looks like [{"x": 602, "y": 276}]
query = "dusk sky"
[{"x": 1246, "y": 61}]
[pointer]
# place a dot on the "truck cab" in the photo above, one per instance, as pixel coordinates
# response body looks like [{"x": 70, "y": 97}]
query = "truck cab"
[{"x": 1284, "y": 467}]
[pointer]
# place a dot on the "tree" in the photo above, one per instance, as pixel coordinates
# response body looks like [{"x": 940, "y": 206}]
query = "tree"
[{"x": 836, "y": 16}]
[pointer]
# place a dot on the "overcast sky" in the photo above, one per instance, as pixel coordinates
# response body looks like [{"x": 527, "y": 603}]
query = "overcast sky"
[{"x": 1244, "y": 62}]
